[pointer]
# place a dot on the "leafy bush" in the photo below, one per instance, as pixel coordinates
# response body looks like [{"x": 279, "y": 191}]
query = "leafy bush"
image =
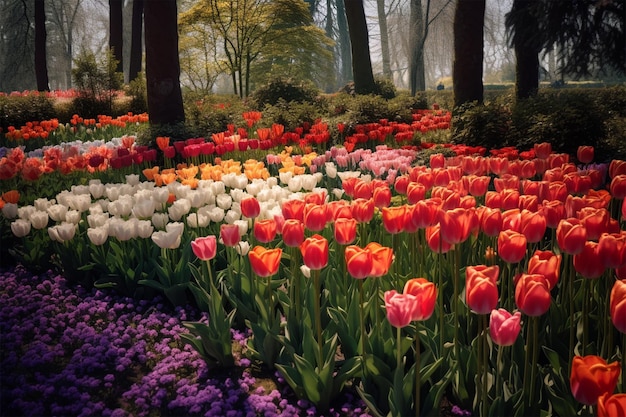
[
  {"x": 369, "y": 108},
  {"x": 17, "y": 111},
  {"x": 385, "y": 88},
  {"x": 292, "y": 115},
  {"x": 286, "y": 89},
  {"x": 97, "y": 82},
  {"x": 137, "y": 91},
  {"x": 487, "y": 125}
]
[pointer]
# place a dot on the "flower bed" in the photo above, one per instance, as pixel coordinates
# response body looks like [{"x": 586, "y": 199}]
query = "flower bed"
[{"x": 408, "y": 273}]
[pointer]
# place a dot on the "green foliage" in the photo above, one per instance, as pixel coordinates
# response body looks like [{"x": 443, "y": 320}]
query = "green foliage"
[
  {"x": 403, "y": 104},
  {"x": 369, "y": 108},
  {"x": 137, "y": 91},
  {"x": 18, "y": 110},
  {"x": 97, "y": 82},
  {"x": 385, "y": 88},
  {"x": 481, "y": 125},
  {"x": 291, "y": 115},
  {"x": 207, "y": 114},
  {"x": 288, "y": 90}
]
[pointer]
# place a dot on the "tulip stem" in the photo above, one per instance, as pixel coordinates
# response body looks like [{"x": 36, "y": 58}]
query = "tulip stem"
[
  {"x": 417, "y": 370},
  {"x": 361, "y": 319},
  {"x": 484, "y": 385},
  {"x": 499, "y": 382},
  {"x": 585, "y": 314},
  {"x": 318, "y": 316}
]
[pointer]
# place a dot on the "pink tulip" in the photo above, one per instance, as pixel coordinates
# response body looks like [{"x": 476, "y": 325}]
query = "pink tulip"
[{"x": 504, "y": 327}]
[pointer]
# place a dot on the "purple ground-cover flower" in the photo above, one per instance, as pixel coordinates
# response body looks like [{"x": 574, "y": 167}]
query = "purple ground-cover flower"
[{"x": 76, "y": 352}]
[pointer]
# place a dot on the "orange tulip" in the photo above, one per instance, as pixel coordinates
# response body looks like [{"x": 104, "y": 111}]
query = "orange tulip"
[
  {"x": 163, "y": 142},
  {"x": 481, "y": 290},
  {"x": 547, "y": 264},
  {"x": 394, "y": 218},
  {"x": 362, "y": 209},
  {"x": 511, "y": 246},
  {"x": 592, "y": 377},
  {"x": 571, "y": 236},
  {"x": 265, "y": 262},
  {"x": 12, "y": 196},
  {"x": 345, "y": 231},
  {"x": 532, "y": 294},
  {"x": 382, "y": 257}
]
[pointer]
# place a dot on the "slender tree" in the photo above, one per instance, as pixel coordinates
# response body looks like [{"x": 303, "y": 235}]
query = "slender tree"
[
  {"x": 359, "y": 40},
  {"x": 116, "y": 31},
  {"x": 523, "y": 19},
  {"x": 343, "y": 44},
  {"x": 41, "y": 66},
  {"x": 384, "y": 38},
  {"x": 467, "y": 68},
  {"x": 136, "y": 49},
  {"x": 165, "y": 99}
]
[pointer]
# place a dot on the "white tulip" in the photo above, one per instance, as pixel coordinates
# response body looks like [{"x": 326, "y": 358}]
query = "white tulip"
[
  {"x": 161, "y": 195},
  {"x": 122, "y": 229},
  {"x": 179, "y": 209},
  {"x": 218, "y": 187},
  {"x": 98, "y": 235},
  {"x": 144, "y": 228},
  {"x": 195, "y": 198},
  {"x": 295, "y": 183},
  {"x": 285, "y": 177},
  {"x": 96, "y": 188},
  {"x": 237, "y": 195},
  {"x": 42, "y": 204},
  {"x": 242, "y": 248},
  {"x": 338, "y": 193},
  {"x": 331, "y": 170},
  {"x": 24, "y": 212},
  {"x": 72, "y": 216},
  {"x": 231, "y": 216},
  {"x": 79, "y": 189},
  {"x": 171, "y": 237},
  {"x": 144, "y": 208},
  {"x": 243, "y": 226},
  {"x": 224, "y": 201},
  {"x": 159, "y": 220},
  {"x": 132, "y": 179},
  {"x": 306, "y": 271},
  {"x": 197, "y": 220},
  {"x": 80, "y": 202},
  {"x": 241, "y": 181},
  {"x": 97, "y": 219},
  {"x": 20, "y": 227},
  {"x": 309, "y": 181},
  {"x": 122, "y": 207},
  {"x": 216, "y": 214},
  {"x": 271, "y": 182},
  {"x": 56, "y": 212},
  {"x": 112, "y": 191},
  {"x": 62, "y": 232},
  {"x": 39, "y": 219}
]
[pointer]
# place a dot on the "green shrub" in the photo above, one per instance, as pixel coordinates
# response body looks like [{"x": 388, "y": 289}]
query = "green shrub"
[
  {"x": 97, "y": 82},
  {"x": 137, "y": 91},
  {"x": 18, "y": 110},
  {"x": 291, "y": 115},
  {"x": 208, "y": 114},
  {"x": 369, "y": 108},
  {"x": 385, "y": 88},
  {"x": 283, "y": 89},
  {"x": 487, "y": 125}
]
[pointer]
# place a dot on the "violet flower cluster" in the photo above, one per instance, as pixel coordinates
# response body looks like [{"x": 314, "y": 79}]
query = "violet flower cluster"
[{"x": 68, "y": 351}]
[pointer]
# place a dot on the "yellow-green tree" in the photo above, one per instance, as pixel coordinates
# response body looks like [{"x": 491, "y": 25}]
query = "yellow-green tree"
[{"x": 257, "y": 39}]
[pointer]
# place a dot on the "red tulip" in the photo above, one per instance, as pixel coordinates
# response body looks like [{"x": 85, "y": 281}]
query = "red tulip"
[
  {"x": 345, "y": 231},
  {"x": 506, "y": 182},
  {"x": 293, "y": 209},
  {"x": 511, "y": 246},
  {"x": 250, "y": 207},
  {"x": 481, "y": 289},
  {"x": 558, "y": 191},
  {"x": 401, "y": 183},
  {"x": 415, "y": 192},
  {"x": 592, "y": 377},
  {"x": 362, "y": 209},
  {"x": 547, "y": 264},
  {"x": 490, "y": 220},
  {"x": 434, "y": 240},
  {"x": 205, "y": 248},
  {"x": 528, "y": 202},
  {"x": 382, "y": 257},
  {"x": 265, "y": 262},
  {"x": 478, "y": 186},
  {"x": 437, "y": 160},
  {"x": 532, "y": 294},
  {"x": 425, "y": 293},
  {"x": 611, "y": 405},
  {"x": 533, "y": 226},
  {"x": 588, "y": 262},
  {"x": 400, "y": 308},
  {"x": 618, "y": 187},
  {"x": 493, "y": 199},
  {"x": 424, "y": 213},
  {"x": 617, "y": 303},
  {"x": 595, "y": 221},
  {"x": 382, "y": 196},
  {"x": 617, "y": 167},
  {"x": 315, "y": 252},
  {"x": 264, "y": 230},
  {"x": 553, "y": 211},
  {"x": 457, "y": 224},
  {"x": 358, "y": 261},
  {"x": 504, "y": 327},
  {"x": 394, "y": 219},
  {"x": 542, "y": 150},
  {"x": 315, "y": 216},
  {"x": 571, "y": 236},
  {"x": 611, "y": 249},
  {"x": 229, "y": 233},
  {"x": 293, "y": 232},
  {"x": 584, "y": 154},
  {"x": 509, "y": 199},
  {"x": 363, "y": 189}
]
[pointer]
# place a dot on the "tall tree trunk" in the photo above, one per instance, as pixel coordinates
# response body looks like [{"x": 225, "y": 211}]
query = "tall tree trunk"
[
  {"x": 116, "y": 30},
  {"x": 136, "y": 49},
  {"x": 526, "y": 52},
  {"x": 165, "y": 99},
  {"x": 359, "y": 39},
  {"x": 344, "y": 43},
  {"x": 467, "y": 69},
  {"x": 384, "y": 38},
  {"x": 418, "y": 25},
  {"x": 41, "y": 66}
]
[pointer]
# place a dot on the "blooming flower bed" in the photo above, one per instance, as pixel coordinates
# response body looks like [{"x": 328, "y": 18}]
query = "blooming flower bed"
[{"x": 468, "y": 275}]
